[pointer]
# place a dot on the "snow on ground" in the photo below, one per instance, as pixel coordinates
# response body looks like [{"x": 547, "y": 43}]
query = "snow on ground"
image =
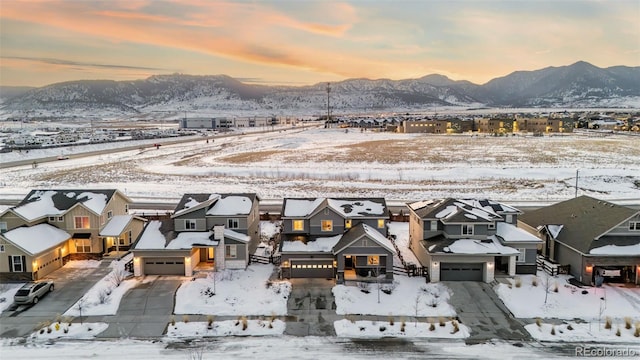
[
  {"x": 583, "y": 332},
  {"x": 83, "y": 264},
  {"x": 7, "y": 291},
  {"x": 401, "y": 231},
  {"x": 528, "y": 301},
  {"x": 226, "y": 328},
  {"x": 69, "y": 330},
  {"x": 234, "y": 292},
  {"x": 380, "y": 329},
  {"x": 410, "y": 297},
  {"x": 104, "y": 297},
  {"x": 269, "y": 228},
  {"x": 330, "y": 162}
]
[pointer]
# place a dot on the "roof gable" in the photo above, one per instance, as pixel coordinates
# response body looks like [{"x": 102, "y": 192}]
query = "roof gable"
[
  {"x": 359, "y": 231},
  {"x": 453, "y": 211}
]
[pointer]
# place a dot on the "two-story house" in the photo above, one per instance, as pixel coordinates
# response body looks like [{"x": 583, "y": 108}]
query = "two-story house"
[
  {"x": 49, "y": 227},
  {"x": 336, "y": 238},
  {"x": 466, "y": 239},
  {"x": 206, "y": 231},
  {"x": 599, "y": 240}
]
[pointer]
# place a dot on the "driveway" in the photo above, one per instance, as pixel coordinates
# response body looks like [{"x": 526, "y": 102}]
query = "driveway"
[
  {"x": 480, "y": 309},
  {"x": 311, "y": 308},
  {"x": 70, "y": 285},
  {"x": 145, "y": 310}
]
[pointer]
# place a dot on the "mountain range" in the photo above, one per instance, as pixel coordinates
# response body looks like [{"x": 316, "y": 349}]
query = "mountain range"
[{"x": 580, "y": 85}]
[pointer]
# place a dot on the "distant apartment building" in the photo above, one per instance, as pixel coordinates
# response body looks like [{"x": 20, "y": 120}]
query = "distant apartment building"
[
  {"x": 543, "y": 125},
  {"x": 226, "y": 122},
  {"x": 438, "y": 126},
  {"x": 494, "y": 126}
]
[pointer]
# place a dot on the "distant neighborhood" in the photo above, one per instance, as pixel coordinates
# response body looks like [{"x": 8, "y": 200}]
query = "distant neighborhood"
[{"x": 345, "y": 239}]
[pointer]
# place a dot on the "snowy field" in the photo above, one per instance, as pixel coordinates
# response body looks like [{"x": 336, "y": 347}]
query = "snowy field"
[{"x": 333, "y": 162}]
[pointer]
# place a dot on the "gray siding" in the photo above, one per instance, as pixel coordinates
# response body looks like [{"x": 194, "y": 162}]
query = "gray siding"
[
  {"x": 623, "y": 229},
  {"x": 315, "y": 223},
  {"x": 567, "y": 256},
  {"x": 243, "y": 223},
  {"x": 373, "y": 223},
  {"x": 241, "y": 249},
  {"x": 480, "y": 231},
  {"x": 287, "y": 226},
  {"x": 197, "y": 215}
]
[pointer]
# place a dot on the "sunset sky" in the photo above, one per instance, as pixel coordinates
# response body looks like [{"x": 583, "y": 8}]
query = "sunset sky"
[{"x": 304, "y": 42}]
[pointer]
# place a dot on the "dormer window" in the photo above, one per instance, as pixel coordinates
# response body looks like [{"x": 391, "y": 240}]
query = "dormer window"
[{"x": 634, "y": 225}]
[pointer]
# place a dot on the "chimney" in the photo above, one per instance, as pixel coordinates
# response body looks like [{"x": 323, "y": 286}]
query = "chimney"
[{"x": 218, "y": 232}]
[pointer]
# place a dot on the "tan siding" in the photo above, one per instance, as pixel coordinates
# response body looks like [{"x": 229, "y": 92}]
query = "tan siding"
[{"x": 13, "y": 221}]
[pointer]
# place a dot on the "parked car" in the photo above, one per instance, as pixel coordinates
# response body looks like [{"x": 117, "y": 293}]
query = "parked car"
[
  {"x": 63, "y": 157},
  {"x": 31, "y": 293}
]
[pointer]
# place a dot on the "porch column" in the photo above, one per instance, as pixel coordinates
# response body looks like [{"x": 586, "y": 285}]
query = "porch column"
[
  {"x": 489, "y": 268},
  {"x": 434, "y": 271},
  {"x": 512, "y": 265},
  {"x": 137, "y": 267}
]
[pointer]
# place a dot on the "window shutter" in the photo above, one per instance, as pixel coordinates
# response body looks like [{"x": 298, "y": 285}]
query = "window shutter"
[
  {"x": 24, "y": 264},
  {"x": 10, "y": 263}
]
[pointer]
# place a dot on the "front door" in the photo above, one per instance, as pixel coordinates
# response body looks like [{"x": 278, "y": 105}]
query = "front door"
[
  {"x": 210, "y": 254},
  {"x": 348, "y": 263}
]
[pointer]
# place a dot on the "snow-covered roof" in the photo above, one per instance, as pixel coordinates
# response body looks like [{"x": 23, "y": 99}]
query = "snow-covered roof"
[
  {"x": 37, "y": 238},
  {"x": 151, "y": 238},
  {"x": 323, "y": 244},
  {"x": 474, "y": 246},
  {"x": 231, "y": 205},
  {"x": 300, "y": 207},
  {"x": 116, "y": 225},
  {"x": 187, "y": 240},
  {"x": 456, "y": 211},
  {"x": 191, "y": 202},
  {"x": 492, "y": 206},
  {"x": 237, "y": 236},
  {"x": 42, "y": 203},
  {"x": 630, "y": 250},
  {"x": 554, "y": 230},
  {"x": 511, "y": 233},
  {"x": 377, "y": 236},
  {"x": 356, "y": 232}
]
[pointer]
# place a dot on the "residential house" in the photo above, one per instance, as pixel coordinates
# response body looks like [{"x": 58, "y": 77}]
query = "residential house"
[
  {"x": 599, "y": 240},
  {"x": 205, "y": 232},
  {"x": 27, "y": 229},
  {"x": 343, "y": 238},
  {"x": 467, "y": 239}
]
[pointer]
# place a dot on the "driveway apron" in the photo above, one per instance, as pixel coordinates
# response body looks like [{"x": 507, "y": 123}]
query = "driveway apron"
[
  {"x": 480, "y": 309},
  {"x": 145, "y": 310},
  {"x": 311, "y": 308}
]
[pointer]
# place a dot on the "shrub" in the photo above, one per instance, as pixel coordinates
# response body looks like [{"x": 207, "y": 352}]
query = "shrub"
[
  {"x": 383, "y": 328},
  {"x": 518, "y": 282},
  {"x": 245, "y": 323},
  {"x": 49, "y": 330},
  {"x": 637, "y": 332},
  {"x": 433, "y": 302},
  {"x": 607, "y": 323},
  {"x": 117, "y": 276},
  {"x": 534, "y": 281},
  {"x": 185, "y": 318},
  {"x": 618, "y": 332},
  {"x": 539, "y": 322},
  {"x": 364, "y": 287},
  {"x": 553, "y": 330},
  {"x": 555, "y": 287},
  {"x": 627, "y": 323},
  {"x": 388, "y": 288},
  {"x": 441, "y": 321},
  {"x": 391, "y": 321},
  {"x": 456, "y": 327},
  {"x": 569, "y": 327},
  {"x": 210, "y": 319},
  {"x": 402, "y": 325},
  {"x": 103, "y": 297},
  {"x": 173, "y": 320},
  {"x": 432, "y": 327},
  {"x": 65, "y": 330}
]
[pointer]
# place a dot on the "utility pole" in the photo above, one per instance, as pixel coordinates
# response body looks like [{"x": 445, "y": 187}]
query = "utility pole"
[
  {"x": 577, "y": 172},
  {"x": 328, "y": 108}
]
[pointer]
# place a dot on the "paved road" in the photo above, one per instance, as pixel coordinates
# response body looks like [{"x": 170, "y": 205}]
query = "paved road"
[
  {"x": 144, "y": 311},
  {"x": 70, "y": 285},
  {"x": 480, "y": 309}
]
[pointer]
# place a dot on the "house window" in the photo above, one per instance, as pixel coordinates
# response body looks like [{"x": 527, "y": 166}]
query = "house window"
[
  {"x": 126, "y": 208},
  {"x": 373, "y": 260},
  {"x": 491, "y": 226},
  {"x": 298, "y": 225},
  {"x": 16, "y": 263},
  {"x": 633, "y": 225},
  {"x": 434, "y": 225},
  {"x": 81, "y": 222},
  {"x": 60, "y": 218},
  {"x": 233, "y": 223},
  {"x": 130, "y": 236},
  {"x": 520, "y": 258},
  {"x": 509, "y": 218},
  {"x": 3, "y": 227},
  {"x": 380, "y": 223},
  {"x": 467, "y": 229},
  {"x": 189, "y": 224},
  {"x": 121, "y": 241},
  {"x": 327, "y": 225},
  {"x": 83, "y": 245},
  {"x": 109, "y": 214},
  {"x": 347, "y": 223},
  {"x": 230, "y": 252},
  {"x": 52, "y": 218},
  {"x": 1, "y": 248}
]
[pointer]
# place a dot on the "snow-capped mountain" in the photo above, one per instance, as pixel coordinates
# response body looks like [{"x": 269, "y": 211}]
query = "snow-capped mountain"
[{"x": 577, "y": 85}]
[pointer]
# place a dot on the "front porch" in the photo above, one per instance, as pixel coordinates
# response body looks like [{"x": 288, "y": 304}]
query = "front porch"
[{"x": 365, "y": 276}]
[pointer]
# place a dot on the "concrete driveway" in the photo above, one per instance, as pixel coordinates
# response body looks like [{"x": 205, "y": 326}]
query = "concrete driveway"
[
  {"x": 145, "y": 310},
  {"x": 311, "y": 308},
  {"x": 70, "y": 285},
  {"x": 480, "y": 309}
]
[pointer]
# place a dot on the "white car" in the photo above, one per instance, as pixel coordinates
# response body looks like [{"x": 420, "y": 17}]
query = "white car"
[
  {"x": 63, "y": 157},
  {"x": 31, "y": 293}
]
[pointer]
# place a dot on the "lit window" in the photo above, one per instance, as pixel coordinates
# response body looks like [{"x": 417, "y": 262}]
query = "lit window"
[
  {"x": 347, "y": 223},
  {"x": 81, "y": 222},
  {"x": 298, "y": 225},
  {"x": 233, "y": 223},
  {"x": 83, "y": 245},
  {"x": 634, "y": 225},
  {"x": 467, "y": 229},
  {"x": 380, "y": 223},
  {"x": 230, "y": 252},
  {"x": 520, "y": 258},
  {"x": 373, "y": 260},
  {"x": 327, "y": 225}
]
